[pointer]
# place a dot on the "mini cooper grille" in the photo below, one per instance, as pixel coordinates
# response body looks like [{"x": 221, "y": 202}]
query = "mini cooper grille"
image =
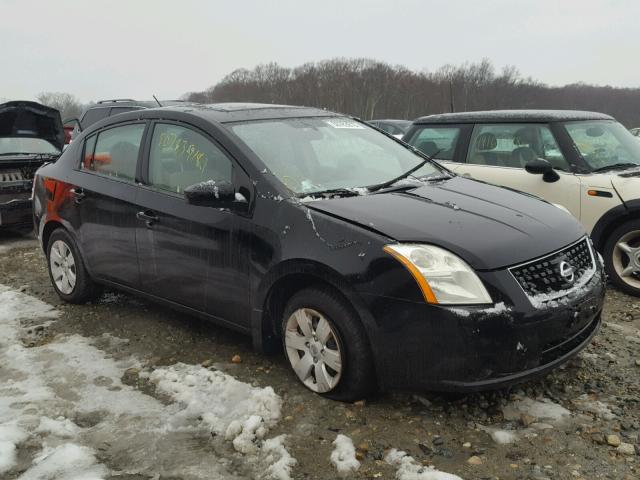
[{"x": 557, "y": 274}]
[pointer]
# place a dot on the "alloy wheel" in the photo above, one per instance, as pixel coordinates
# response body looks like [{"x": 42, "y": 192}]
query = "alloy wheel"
[
  {"x": 626, "y": 258},
  {"x": 313, "y": 350},
  {"x": 63, "y": 267}
]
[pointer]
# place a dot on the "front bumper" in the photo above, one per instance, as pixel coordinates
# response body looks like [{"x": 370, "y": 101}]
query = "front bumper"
[
  {"x": 430, "y": 347},
  {"x": 16, "y": 212}
]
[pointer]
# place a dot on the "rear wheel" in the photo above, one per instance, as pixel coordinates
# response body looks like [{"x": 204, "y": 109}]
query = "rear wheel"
[
  {"x": 327, "y": 346},
  {"x": 68, "y": 274},
  {"x": 622, "y": 257}
]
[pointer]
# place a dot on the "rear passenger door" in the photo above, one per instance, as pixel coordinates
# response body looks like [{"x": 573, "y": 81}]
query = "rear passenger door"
[
  {"x": 104, "y": 195},
  {"x": 498, "y": 154},
  {"x": 186, "y": 252}
]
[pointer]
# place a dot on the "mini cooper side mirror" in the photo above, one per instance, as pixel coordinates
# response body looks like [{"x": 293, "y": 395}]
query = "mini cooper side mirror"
[
  {"x": 540, "y": 166},
  {"x": 211, "y": 193}
]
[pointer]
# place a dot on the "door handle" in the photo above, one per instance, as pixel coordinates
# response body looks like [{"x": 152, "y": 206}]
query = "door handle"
[
  {"x": 78, "y": 194},
  {"x": 148, "y": 217}
]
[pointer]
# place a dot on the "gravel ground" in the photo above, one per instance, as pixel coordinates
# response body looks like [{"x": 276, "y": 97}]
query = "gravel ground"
[{"x": 480, "y": 436}]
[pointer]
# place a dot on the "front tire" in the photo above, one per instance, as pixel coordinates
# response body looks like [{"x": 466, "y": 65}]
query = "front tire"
[
  {"x": 622, "y": 257},
  {"x": 67, "y": 272},
  {"x": 327, "y": 346}
]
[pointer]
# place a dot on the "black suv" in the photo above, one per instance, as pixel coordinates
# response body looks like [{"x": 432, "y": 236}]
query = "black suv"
[{"x": 107, "y": 108}]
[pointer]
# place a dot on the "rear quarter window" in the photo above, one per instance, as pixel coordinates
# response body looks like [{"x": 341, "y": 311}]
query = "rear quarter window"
[{"x": 94, "y": 115}]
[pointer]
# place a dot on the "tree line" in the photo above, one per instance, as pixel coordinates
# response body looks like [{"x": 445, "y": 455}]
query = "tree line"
[{"x": 372, "y": 89}]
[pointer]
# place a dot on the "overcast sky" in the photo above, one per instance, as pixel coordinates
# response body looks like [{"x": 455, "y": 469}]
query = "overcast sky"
[{"x": 110, "y": 49}]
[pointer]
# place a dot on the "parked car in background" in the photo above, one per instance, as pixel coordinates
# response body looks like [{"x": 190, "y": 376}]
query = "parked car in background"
[
  {"x": 30, "y": 135},
  {"x": 107, "y": 108},
  {"x": 283, "y": 223},
  {"x": 397, "y": 128},
  {"x": 586, "y": 162}
]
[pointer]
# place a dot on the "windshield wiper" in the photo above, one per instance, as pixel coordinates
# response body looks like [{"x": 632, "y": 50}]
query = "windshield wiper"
[
  {"x": 344, "y": 192},
  {"x": 616, "y": 166},
  {"x": 388, "y": 183}
]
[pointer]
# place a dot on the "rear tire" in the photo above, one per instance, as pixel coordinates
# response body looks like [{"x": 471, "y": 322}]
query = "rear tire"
[
  {"x": 330, "y": 353},
  {"x": 67, "y": 272},
  {"x": 622, "y": 257}
]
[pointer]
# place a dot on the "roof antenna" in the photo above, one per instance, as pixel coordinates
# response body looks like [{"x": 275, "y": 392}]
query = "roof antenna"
[{"x": 157, "y": 101}]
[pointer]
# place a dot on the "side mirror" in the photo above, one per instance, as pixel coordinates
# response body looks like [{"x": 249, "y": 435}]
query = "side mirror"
[
  {"x": 540, "y": 166},
  {"x": 211, "y": 193}
]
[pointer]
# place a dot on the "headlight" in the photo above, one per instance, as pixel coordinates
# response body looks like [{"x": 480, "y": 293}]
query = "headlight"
[{"x": 442, "y": 276}]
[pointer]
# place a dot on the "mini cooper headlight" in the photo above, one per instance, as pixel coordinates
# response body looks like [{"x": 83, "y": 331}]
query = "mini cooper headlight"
[{"x": 443, "y": 277}]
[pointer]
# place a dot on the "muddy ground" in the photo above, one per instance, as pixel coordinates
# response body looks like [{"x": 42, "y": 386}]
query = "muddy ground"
[{"x": 450, "y": 433}]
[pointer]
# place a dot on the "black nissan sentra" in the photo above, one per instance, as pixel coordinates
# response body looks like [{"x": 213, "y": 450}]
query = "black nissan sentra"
[{"x": 371, "y": 265}]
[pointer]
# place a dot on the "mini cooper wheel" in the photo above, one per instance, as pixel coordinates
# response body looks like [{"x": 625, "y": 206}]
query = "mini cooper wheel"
[
  {"x": 622, "y": 257},
  {"x": 66, "y": 269},
  {"x": 327, "y": 346}
]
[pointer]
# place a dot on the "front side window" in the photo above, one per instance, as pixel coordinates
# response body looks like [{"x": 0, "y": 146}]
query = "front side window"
[
  {"x": 114, "y": 152},
  {"x": 604, "y": 144},
  {"x": 514, "y": 145},
  {"x": 317, "y": 154},
  {"x": 181, "y": 157},
  {"x": 440, "y": 140}
]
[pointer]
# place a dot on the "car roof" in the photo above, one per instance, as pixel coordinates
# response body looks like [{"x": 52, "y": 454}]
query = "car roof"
[
  {"x": 239, "y": 112},
  {"x": 513, "y": 116}
]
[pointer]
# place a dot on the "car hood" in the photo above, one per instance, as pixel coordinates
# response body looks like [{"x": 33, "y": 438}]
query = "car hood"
[
  {"x": 627, "y": 184},
  {"x": 490, "y": 227},
  {"x": 31, "y": 120}
]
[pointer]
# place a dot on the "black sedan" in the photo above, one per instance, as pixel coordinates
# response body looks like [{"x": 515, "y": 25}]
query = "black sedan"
[{"x": 313, "y": 232}]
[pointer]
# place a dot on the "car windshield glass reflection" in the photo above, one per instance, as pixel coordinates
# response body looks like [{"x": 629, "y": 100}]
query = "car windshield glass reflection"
[
  {"x": 26, "y": 145},
  {"x": 605, "y": 144},
  {"x": 317, "y": 154}
]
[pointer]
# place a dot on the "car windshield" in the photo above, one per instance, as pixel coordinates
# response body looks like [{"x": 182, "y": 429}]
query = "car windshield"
[
  {"x": 317, "y": 154},
  {"x": 604, "y": 144},
  {"x": 19, "y": 145}
]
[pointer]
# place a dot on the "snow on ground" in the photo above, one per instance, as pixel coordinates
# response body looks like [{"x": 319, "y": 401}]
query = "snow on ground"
[
  {"x": 543, "y": 410},
  {"x": 343, "y": 455},
  {"x": 66, "y": 399},
  {"x": 586, "y": 404},
  {"x": 501, "y": 437},
  {"x": 409, "y": 469}
]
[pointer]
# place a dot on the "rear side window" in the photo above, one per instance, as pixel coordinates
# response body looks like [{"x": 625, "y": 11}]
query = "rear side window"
[
  {"x": 443, "y": 140},
  {"x": 181, "y": 157},
  {"x": 114, "y": 152},
  {"x": 94, "y": 115}
]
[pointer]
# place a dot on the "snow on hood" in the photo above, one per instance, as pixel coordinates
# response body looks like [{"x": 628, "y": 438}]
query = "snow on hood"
[
  {"x": 31, "y": 120},
  {"x": 456, "y": 213}
]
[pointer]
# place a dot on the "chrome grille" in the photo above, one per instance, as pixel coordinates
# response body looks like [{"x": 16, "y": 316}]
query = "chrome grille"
[{"x": 557, "y": 274}]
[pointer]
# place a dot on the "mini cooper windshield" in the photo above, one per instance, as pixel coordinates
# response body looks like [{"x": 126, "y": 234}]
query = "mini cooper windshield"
[
  {"x": 605, "y": 145},
  {"x": 329, "y": 154}
]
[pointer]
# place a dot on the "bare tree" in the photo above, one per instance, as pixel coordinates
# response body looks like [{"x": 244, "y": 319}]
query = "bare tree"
[
  {"x": 68, "y": 105},
  {"x": 371, "y": 89}
]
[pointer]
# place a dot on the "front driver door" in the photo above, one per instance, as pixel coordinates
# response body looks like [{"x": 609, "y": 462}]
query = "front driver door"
[
  {"x": 498, "y": 154},
  {"x": 186, "y": 252}
]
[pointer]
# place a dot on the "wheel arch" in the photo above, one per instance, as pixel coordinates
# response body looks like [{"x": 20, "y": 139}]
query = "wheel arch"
[
  {"x": 611, "y": 220},
  {"x": 281, "y": 283}
]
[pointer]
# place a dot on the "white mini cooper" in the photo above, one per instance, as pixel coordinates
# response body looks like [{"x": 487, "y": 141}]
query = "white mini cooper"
[{"x": 586, "y": 162}]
